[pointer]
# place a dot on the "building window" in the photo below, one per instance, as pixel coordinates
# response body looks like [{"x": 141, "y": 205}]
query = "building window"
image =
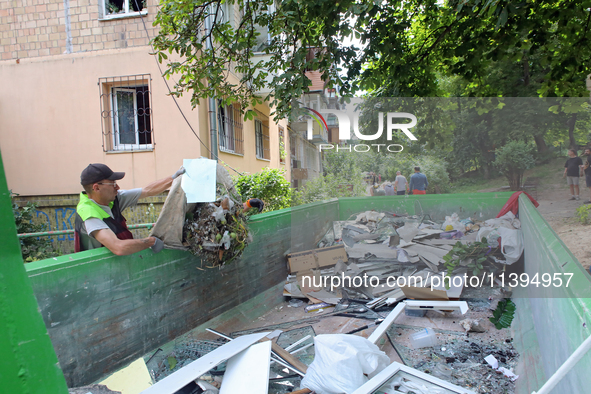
[
  {"x": 282, "y": 150},
  {"x": 230, "y": 133},
  {"x": 261, "y": 134},
  {"x": 122, "y": 8},
  {"x": 126, "y": 113}
]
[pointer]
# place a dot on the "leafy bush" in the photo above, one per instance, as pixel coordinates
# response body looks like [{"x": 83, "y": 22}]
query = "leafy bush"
[
  {"x": 32, "y": 248},
  {"x": 330, "y": 186},
  {"x": 268, "y": 185},
  {"x": 512, "y": 160},
  {"x": 583, "y": 214}
]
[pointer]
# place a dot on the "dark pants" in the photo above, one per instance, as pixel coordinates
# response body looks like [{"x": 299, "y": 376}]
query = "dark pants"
[{"x": 400, "y": 193}]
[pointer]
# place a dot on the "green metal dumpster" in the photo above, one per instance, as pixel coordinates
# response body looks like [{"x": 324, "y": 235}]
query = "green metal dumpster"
[{"x": 103, "y": 311}]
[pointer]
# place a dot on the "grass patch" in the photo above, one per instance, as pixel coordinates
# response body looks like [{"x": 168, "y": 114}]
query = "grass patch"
[
  {"x": 545, "y": 174},
  {"x": 477, "y": 184},
  {"x": 548, "y": 174}
]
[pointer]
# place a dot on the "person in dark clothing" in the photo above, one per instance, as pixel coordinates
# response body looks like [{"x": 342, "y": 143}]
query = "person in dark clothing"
[
  {"x": 418, "y": 182},
  {"x": 571, "y": 173}
]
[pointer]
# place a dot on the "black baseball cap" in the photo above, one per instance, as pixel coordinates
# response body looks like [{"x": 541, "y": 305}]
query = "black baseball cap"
[{"x": 97, "y": 172}]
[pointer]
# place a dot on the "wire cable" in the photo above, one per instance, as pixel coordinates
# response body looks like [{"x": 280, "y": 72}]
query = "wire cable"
[{"x": 175, "y": 100}]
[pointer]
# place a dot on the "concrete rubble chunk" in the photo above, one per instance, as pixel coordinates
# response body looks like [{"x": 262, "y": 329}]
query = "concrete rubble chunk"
[{"x": 471, "y": 325}]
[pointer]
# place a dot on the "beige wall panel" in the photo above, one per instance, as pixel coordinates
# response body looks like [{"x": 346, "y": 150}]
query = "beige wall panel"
[{"x": 50, "y": 122}]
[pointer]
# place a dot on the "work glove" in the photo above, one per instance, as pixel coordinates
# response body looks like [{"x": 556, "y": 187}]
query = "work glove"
[
  {"x": 158, "y": 245},
  {"x": 181, "y": 171},
  {"x": 255, "y": 203}
]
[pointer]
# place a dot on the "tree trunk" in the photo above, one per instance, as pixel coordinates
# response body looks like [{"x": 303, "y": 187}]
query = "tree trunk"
[
  {"x": 572, "y": 144},
  {"x": 514, "y": 181},
  {"x": 540, "y": 144}
]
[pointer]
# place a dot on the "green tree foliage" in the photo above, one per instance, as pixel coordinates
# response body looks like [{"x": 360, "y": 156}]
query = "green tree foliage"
[
  {"x": 406, "y": 48},
  {"x": 32, "y": 248},
  {"x": 268, "y": 185},
  {"x": 512, "y": 160},
  {"x": 433, "y": 167},
  {"x": 211, "y": 40},
  {"x": 342, "y": 178},
  {"x": 330, "y": 186}
]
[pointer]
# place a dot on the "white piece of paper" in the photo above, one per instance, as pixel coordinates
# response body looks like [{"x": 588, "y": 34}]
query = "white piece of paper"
[
  {"x": 199, "y": 180},
  {"x": 492, "y": 361}
]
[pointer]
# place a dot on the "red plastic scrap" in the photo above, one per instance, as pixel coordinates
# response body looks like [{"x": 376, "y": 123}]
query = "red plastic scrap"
[{"x": 513, "y": 204}]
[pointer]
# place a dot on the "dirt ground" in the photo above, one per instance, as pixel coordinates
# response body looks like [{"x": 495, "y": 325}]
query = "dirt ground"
[{"x": 553, "y": 194}]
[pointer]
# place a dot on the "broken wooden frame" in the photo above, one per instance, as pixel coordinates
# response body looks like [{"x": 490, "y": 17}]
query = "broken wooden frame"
[{"x": 396, "y": 371}]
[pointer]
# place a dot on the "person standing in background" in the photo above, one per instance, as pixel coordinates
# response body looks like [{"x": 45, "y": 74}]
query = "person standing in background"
[
  {"x": 400, "y": 184},
  {"x": 418, "y": 182},
  {"x": 571, "y": 173}
]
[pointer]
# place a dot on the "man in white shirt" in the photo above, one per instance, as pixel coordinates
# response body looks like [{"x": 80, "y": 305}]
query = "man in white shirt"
[{"x": 400, "y": 184}]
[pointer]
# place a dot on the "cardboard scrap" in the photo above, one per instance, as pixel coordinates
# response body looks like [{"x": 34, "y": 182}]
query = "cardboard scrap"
[
  {"x": 325, "y": 296},
  {"x": 132, "y": 379},
  {"x": 380, "y": 250},
  {"x": 316, "y": 258},
  {"x": 424, "y": 293}
]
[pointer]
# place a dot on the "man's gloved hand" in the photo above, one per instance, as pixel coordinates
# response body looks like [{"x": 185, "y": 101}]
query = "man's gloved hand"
[
  {"x": 158, "y": 245},
  {"x": 181, "y": 171},
  {"x": 255, "y": 203}
]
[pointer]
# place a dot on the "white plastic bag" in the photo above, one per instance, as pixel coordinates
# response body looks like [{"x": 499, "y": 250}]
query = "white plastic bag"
[
  {"x": 341, "y": 363},
  {"x": 218, "y": 214},
  {"x": 508, "y": 220},
  {"x": 226, "y": 240},
  {"x": 454, "y": 222},
  {"x": 489, "y": 235},
  {"x": 511, "y": 244}
]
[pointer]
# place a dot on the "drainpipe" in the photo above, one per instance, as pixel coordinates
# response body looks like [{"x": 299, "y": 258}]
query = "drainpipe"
[
  {"x": 213, "y": 135},
  {"x": 565, "y": 368}
]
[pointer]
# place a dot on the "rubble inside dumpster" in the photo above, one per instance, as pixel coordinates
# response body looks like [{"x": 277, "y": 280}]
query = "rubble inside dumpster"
[{"x": 381, "y": 278}]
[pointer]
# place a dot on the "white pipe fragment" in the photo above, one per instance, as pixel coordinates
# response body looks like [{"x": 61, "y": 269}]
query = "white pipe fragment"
[{"x": 566, "y": 367}]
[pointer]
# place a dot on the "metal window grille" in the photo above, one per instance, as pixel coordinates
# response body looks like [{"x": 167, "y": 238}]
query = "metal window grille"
[
  {"x": 261, "y": 133},
  {"x": 126, "y": 113},
  {"x": 230, "y": 129}
]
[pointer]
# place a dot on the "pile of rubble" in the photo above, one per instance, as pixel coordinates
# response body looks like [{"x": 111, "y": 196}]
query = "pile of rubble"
[
  {"x": 378, "y": 255},
  {"x": 216, "y": 231}
]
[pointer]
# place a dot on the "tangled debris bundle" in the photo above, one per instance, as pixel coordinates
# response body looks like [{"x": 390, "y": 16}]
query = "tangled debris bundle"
[{"x": 216, "y": 231}]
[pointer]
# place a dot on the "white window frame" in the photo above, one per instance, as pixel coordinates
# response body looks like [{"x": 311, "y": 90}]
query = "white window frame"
[
  {"x": 117, "y": 145},
  {"x": 126, "y": 10},
  {"x": 377, "y": 381}
]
